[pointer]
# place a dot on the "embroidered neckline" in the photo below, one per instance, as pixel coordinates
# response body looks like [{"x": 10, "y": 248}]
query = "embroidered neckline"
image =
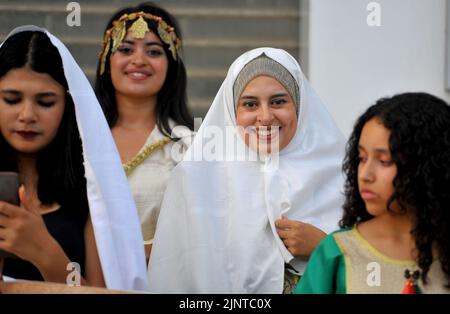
[
  {"x": 382, "y": 256},
  {"x": 144, "y": 154}
]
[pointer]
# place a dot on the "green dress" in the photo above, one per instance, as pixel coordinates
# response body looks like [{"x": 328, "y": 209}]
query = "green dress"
[{"x": 344, "y": 262}]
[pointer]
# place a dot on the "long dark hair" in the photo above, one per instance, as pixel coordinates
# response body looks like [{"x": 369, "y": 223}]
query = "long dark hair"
[
  {"x": 420, "y": 147},
  {"x": 60, "y": 164},
  {"x": 172, "y": 98}
]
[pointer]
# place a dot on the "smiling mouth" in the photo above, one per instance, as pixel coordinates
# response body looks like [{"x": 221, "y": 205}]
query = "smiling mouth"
[
  {"x": 137, "y": 75},
  {"x": 267, "y": 133}
]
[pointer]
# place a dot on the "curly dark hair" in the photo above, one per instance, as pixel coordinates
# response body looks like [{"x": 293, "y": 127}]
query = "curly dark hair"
[
  {"x": 172, "y": 98},
  {"x": 420, "y": 147}
]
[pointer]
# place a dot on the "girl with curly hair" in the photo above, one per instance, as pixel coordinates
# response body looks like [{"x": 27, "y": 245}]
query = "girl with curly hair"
[{"x": 396, "y": 223}]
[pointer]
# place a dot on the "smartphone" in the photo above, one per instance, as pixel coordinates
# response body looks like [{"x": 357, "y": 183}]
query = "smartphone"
[{"x": 9, "y": 187}]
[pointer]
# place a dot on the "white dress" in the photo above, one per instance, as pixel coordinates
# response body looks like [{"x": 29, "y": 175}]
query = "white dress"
[{"x": 149, "y": 179}]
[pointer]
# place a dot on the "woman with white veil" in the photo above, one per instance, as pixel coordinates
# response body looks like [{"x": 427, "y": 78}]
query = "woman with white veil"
[
  {"x": 111, "y": 211},
  {"x": 257, "y": 190}
]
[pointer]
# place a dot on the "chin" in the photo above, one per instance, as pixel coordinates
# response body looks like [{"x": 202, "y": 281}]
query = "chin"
[
  {"x": 375, "y": 210},
  {"x": 28, "y": 148}
]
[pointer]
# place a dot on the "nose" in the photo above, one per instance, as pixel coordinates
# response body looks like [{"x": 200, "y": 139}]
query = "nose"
[
  {"x": 265, "y": 115},
  {"x": 27, "y": 113},
  {"x": 138, "y": 57},
  {"x": 366, "y": 172}
]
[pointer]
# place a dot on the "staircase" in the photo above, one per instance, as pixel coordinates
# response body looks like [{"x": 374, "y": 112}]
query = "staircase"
[{"x": 215, "y": 32}]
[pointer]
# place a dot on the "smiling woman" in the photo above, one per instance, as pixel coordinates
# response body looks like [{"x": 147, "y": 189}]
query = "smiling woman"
[
  {"x": 266, "y": 107},
  {"x": 141, "y": 85},
  {"x": 130, "y": 74},
  {"x": 238, "y": 224}
]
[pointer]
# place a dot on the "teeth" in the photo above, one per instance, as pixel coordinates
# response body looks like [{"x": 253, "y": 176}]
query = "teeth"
[
  {"x": 264, "y": 132},
  {"x": 137, "y": 74}
]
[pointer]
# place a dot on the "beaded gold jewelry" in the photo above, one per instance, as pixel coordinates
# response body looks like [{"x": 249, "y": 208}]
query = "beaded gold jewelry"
[
  {"x": 138, "y": 30},
  {"x": 144, "y": 154}
]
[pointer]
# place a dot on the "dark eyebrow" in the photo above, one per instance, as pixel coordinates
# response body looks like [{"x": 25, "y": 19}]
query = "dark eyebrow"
[
  {"x": 378, "y": 150},
  {"x": 248, "y": 97},
  {"x": 153, "y": 43},
  {"x": 11, "y": 91},
  {"x": 150, "y": 43},
  {"x": 46, "y": 94},
  {"x": 279, "y": 95},
  {"x": 273, "y": 96}
]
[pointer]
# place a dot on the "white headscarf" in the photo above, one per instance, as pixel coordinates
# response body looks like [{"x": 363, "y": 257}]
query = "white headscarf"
[
  {"x": 111, "y": 206},
  {"x": 216, "y": 231}
]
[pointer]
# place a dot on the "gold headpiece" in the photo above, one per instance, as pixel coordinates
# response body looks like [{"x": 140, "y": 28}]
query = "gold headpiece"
[{"x": 138, "y": 29}]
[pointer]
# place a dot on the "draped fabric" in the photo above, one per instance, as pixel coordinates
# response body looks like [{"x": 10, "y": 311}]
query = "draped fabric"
[
  {"x": 216, "y": 231},
  {"x": 112, "y": 210}
]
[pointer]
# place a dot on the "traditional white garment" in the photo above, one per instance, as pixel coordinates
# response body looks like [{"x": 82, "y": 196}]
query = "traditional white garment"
[
  {"x": 148, "y": 180},
  {"x": 112, "y": 210},
  {"x": 216, "y": 231}
]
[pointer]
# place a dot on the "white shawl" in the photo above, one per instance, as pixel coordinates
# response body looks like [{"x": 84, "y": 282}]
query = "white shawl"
[
  {"x": 112, "y": 210},
  {"x": 216, "y": 232}
]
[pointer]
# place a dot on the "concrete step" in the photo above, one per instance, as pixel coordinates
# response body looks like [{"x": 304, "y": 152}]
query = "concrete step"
[
  {"x": 196, "y": 53},
  {"x": 231, "y": 24},
  {"x": 168, "y": 4},
  {"x": 215, "y": 32}
]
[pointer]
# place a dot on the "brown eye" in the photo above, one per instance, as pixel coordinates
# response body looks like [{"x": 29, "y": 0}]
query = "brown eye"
[
  {"x": 125, "y": 50},
  {"x": 279, "y": 101},
  {"x": 249, "y": 104},
  {"x": 155, "y": 52}
]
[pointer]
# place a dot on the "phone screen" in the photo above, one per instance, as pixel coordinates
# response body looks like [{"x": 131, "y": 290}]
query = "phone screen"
[{"x": 9, "y": 187}]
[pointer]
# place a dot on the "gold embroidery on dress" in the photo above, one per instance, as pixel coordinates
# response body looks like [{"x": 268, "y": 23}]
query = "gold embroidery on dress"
[{"x": 144, "y": 154}]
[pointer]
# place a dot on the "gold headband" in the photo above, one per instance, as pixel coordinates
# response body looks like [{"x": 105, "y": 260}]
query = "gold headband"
[{"x": 138, "y": 29}]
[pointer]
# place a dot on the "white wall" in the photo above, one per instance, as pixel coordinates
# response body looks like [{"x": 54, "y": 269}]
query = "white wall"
[{"x": 351, "y": 64}]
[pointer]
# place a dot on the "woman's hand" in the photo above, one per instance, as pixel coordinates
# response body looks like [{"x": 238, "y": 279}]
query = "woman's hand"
[
  {"x": 22, "y": 229},
  {"x": 299, "y": 238}
]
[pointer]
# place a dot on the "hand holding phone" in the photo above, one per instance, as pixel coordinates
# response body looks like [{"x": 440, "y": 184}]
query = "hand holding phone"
[{"x": 9, "y": 187}]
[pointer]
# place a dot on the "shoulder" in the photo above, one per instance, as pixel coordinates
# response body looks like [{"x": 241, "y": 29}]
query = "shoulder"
[
  {"x": 325, "y": 270},
  {"x": 183, "y": 133},
  {"x": 329, "y": 243}
]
